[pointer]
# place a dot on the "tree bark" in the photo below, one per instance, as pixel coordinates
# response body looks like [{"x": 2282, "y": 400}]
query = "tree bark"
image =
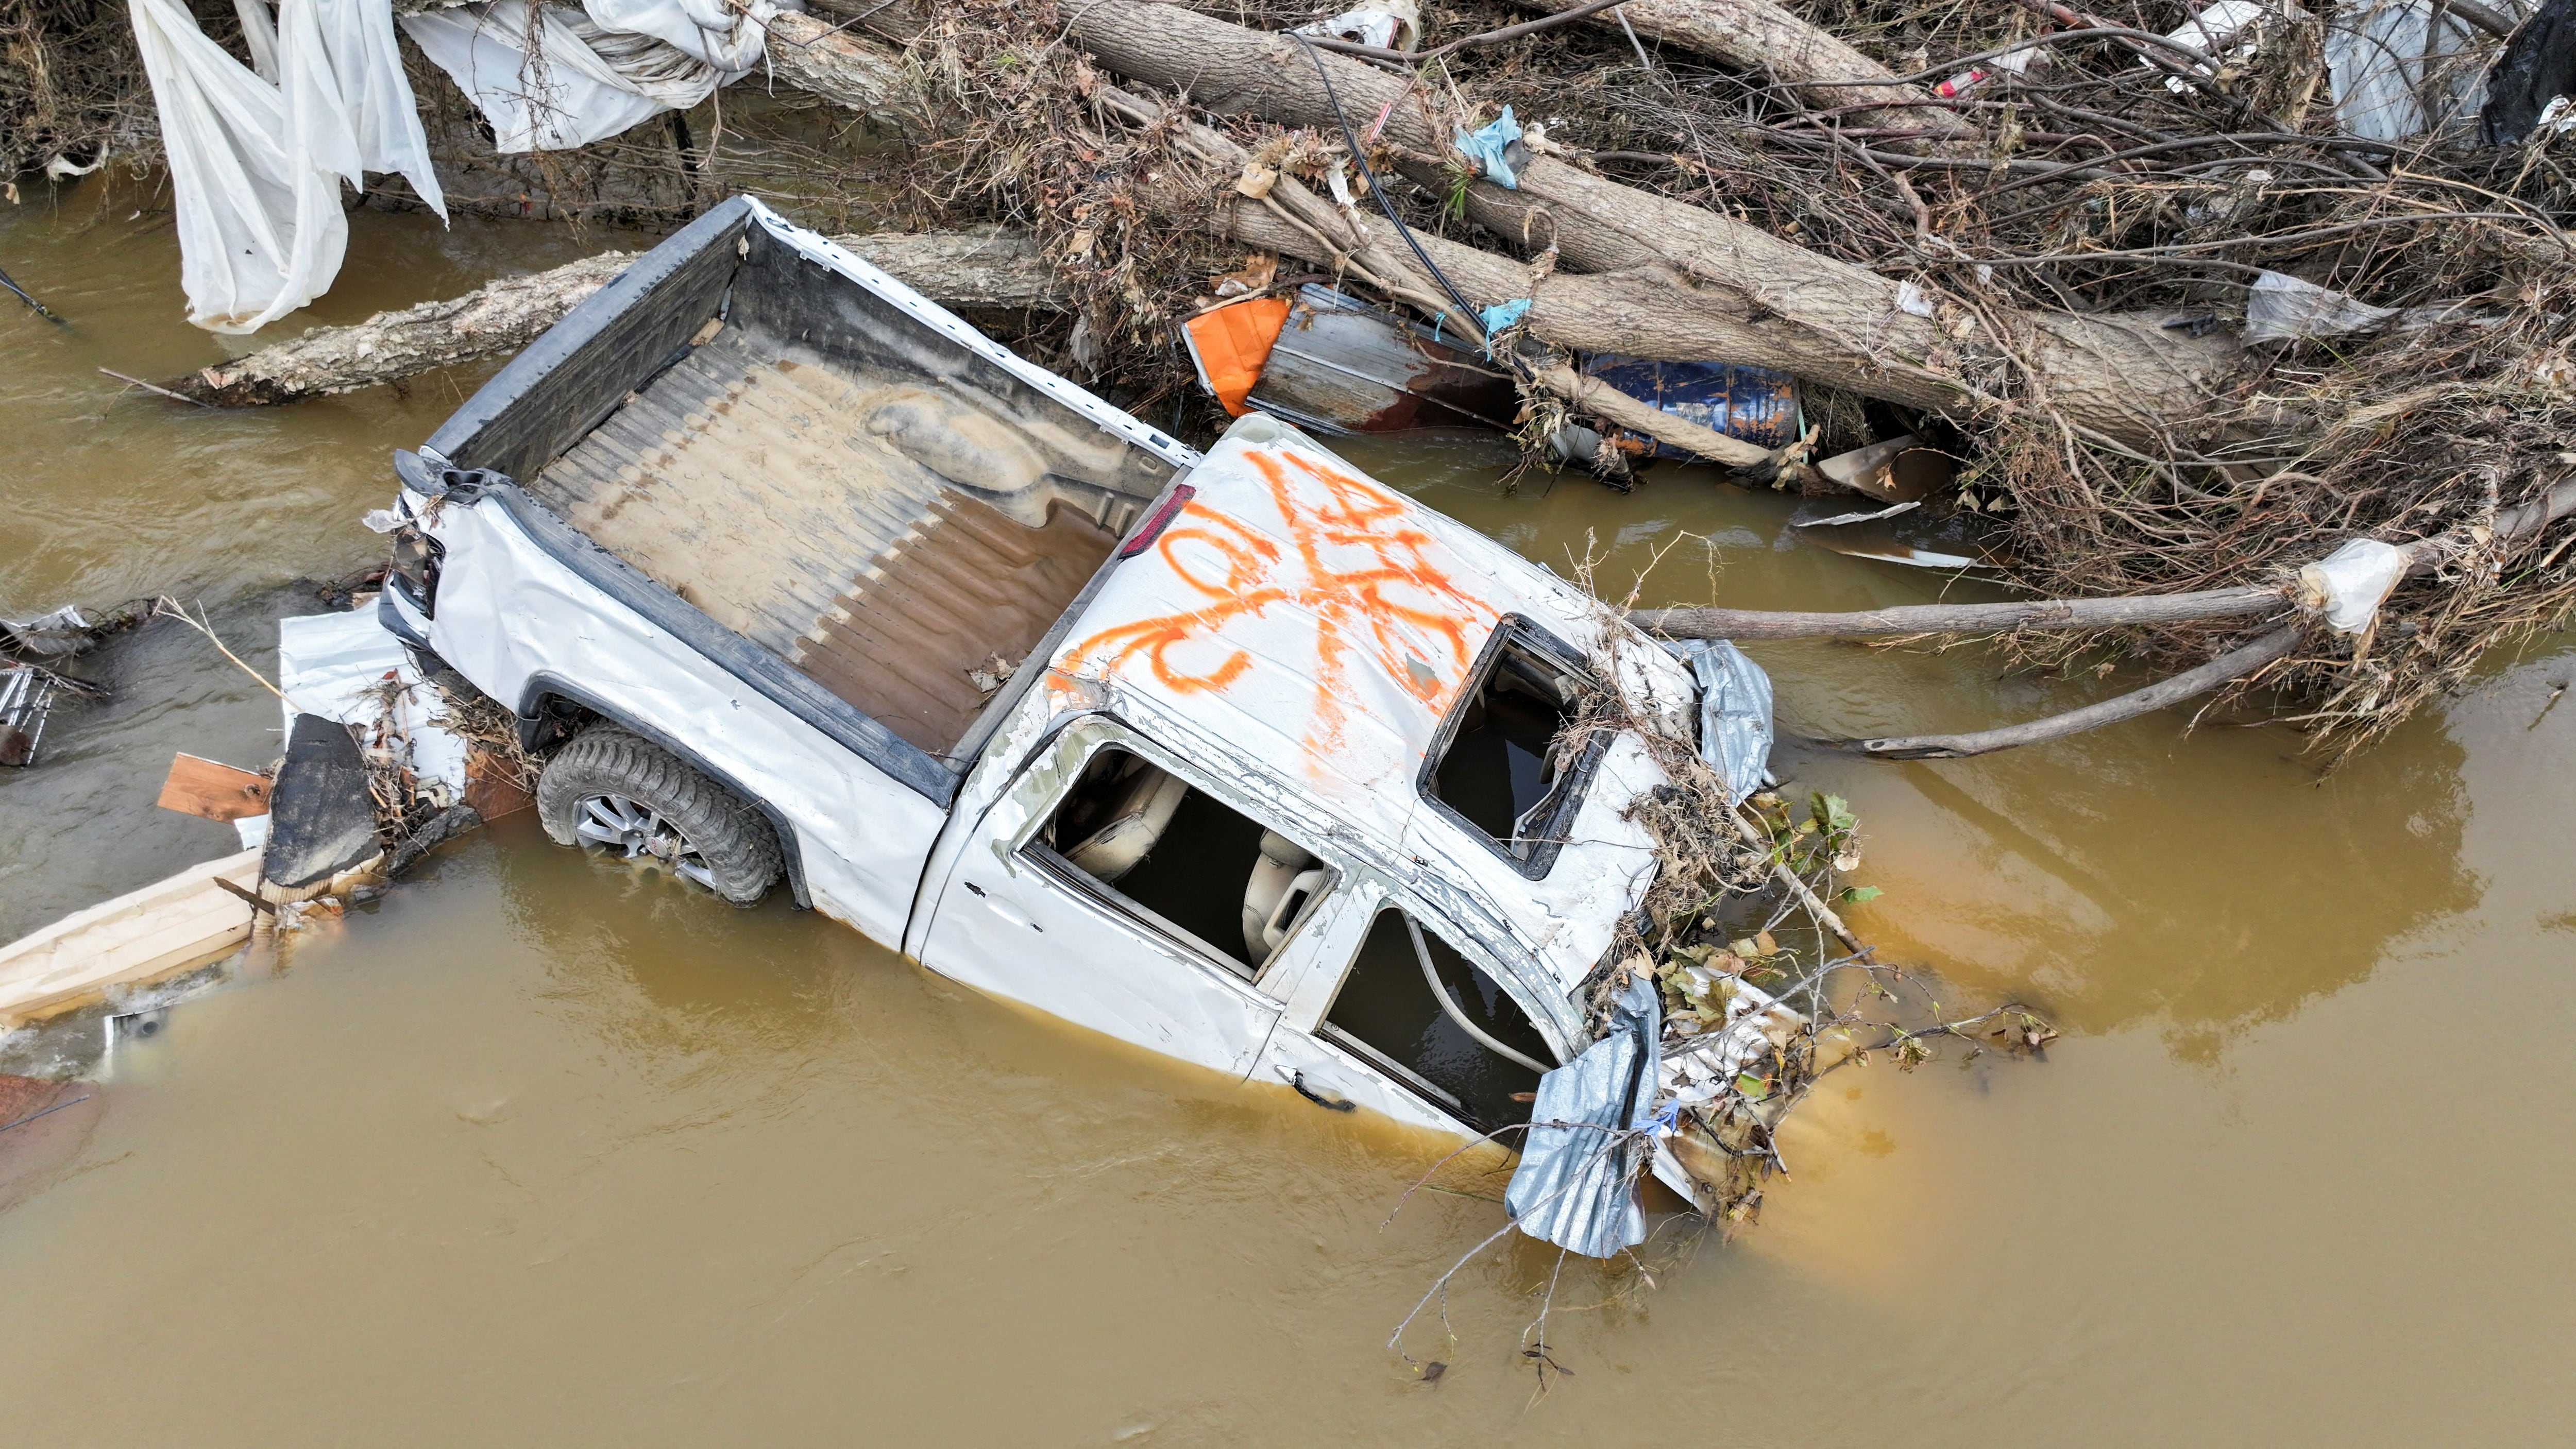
[
  {"x": 989, "y": 268},
  {"x": 1723, "y": 289},
  {"x": 2111, "y": 613},
  {"x": 2227, "y": 668},
  {"x": 1759, "y": 35},
  {"x": 810, "y": 55}
]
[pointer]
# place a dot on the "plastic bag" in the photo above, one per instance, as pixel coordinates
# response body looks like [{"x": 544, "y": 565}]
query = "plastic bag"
[
  {"x": 1496, "y": 148},
  {"x": 2351, "y": 583}
]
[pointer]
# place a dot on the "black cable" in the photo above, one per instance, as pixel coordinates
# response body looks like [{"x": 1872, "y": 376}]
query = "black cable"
[
  {"x": 1351, "y": 139},
  {"x": 41, "y": 309}
]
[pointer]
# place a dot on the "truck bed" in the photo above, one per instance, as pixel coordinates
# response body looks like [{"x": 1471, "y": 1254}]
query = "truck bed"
[{"x": 890, "y": 534}]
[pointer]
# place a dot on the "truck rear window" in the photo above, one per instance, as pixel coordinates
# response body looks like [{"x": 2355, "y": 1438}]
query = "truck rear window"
[{"x": 1504, "y": 764}]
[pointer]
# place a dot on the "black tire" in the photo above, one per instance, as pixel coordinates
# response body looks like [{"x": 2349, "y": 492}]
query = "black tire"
[{"x": 620, "y": 792}]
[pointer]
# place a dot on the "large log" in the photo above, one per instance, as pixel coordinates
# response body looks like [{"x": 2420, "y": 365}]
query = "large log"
[
  {"x": 1579, "y": 312},
  {"x": 1760, "y": 35},
  {"x": 1733, "y": 291},
  {"x": 982, "y": 268}
]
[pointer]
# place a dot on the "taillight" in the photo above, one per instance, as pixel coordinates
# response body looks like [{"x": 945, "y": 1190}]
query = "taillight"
[
  {"x": 414, "y": 570},
  {"x": 1160, "y": 519}
]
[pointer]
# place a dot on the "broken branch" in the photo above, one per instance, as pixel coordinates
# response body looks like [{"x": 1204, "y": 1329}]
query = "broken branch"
[{"x": 2227, "y": 668}]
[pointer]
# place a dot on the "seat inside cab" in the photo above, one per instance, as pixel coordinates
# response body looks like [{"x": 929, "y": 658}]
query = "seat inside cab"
[{"x": 1186, "y": 861}]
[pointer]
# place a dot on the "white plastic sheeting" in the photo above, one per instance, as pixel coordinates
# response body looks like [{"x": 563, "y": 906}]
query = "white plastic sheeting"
[
  {"x": 2388, "y": 58},
  {"x": 2280, "y": 307},
  {"x": 338, "y": 666},
  {"x": 2351, "y": 583},
  {"x": 256, "y": 163},
  {"x": 549, "y": 78}
]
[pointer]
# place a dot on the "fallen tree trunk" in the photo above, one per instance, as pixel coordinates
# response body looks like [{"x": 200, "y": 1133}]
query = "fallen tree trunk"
[
  {"x": 1961, "y": 618},
  {"x": 1708, "y": 287},
  {"x": 851, "y": 71},
  {"x": 988, "y": 268},
  {"x": 1759, "y": 35},
  {"x": 2423, "y": 556}
]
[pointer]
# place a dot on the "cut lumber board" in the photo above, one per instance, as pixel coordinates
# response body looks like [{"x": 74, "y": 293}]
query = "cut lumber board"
[
  {"x": 157, "y": 931},
  {"x": 214, "y": 790}
]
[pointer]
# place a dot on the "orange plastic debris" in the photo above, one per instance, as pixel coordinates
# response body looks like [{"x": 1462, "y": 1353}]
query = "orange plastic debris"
[{"x": 1231, "y": 343}]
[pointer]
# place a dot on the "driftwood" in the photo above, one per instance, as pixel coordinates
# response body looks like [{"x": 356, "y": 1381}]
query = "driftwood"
[
  {"x": 1760, "y": 35},
  {"x": 987, "y": 268},
  {"x": 2238, "y": 663},
  {"x": 1683, "y": 282},
  {"x": 2245, "y": 661},
  {"x": 854, "y": 71}
]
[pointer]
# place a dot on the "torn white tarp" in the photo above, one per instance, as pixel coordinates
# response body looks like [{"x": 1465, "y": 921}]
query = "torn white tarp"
[
  {"x": 2351, "y": 583},
  {"x": 549, "y": 78},
  {"x": 1576, "y": 1186},
  {"x": 256, "y": 165}
]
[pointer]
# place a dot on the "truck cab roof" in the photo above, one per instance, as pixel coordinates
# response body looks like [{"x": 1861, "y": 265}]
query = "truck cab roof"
[{"x": 1402, "y": 675}]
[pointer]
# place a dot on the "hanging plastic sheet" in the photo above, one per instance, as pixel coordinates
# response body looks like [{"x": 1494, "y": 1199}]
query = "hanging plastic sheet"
[
  {"x": 1576, "y": 1186},
  {"x": 549, "y": 78},
  {"x": 2390, "y": 58},
  {"x": 256, "y": 165},
  {"x": 1734, "y": 712}
]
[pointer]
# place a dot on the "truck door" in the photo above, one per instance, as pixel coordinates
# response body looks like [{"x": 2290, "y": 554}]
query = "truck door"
[
  {"x": 1397, "y": 1018},
  {"x": 1112, "y": 887}
]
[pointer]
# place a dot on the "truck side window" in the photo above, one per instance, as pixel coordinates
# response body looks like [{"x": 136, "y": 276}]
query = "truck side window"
[
  {"x": 1503, "y": 765},
  {"x": 1387, "y": 1013},
  {"x": 1190, "y": 865}
]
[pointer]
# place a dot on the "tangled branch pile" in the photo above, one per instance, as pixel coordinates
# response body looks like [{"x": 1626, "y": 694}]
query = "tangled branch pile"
[
  {"x": 2183, "y": 327},
  {"x": 71, "y": 87}
]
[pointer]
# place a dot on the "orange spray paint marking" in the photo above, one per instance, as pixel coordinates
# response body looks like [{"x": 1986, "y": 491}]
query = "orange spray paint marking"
[{"x": 1359, "y": 570}]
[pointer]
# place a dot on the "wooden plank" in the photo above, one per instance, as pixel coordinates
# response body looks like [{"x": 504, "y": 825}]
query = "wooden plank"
[
  {"x": 213, "y": 790},
  {"x": 157, "y": 931}
]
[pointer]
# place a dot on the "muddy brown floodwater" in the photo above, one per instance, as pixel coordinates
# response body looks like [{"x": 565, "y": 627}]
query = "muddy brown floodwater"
[{"x": 540, "y": 1152}]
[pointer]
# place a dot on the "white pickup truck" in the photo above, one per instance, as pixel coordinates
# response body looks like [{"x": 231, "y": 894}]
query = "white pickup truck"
[{"x": 1244, "y": 758}]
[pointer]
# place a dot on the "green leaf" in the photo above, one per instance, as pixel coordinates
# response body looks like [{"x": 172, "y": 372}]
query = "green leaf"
[{"x": 1859, "y": 895}]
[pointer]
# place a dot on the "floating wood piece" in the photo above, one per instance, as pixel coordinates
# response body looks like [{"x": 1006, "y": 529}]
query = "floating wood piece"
[
  {"x": 155, "y": 932},
  {"x": 212, "y": 790}
]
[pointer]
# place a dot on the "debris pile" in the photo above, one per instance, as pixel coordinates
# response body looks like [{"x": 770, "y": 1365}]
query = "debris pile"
[
  {"x": 1737, "y": 967},
  {"x": 2181, "y": 318}
]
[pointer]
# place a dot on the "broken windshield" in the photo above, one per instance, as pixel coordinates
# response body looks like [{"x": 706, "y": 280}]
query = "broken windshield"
[{"x": 1502, "y": 764}]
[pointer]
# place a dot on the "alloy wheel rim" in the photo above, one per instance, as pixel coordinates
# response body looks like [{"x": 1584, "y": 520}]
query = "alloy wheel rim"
[{"x": 637, "y": 831}]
